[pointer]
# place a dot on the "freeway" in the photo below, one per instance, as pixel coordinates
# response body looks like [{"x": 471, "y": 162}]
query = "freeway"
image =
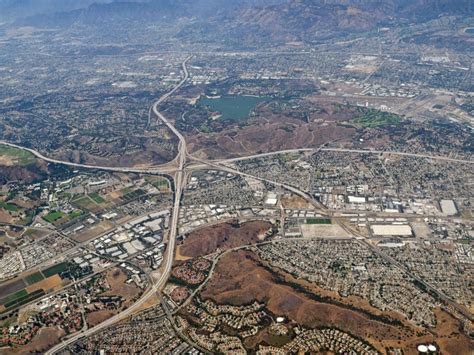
[
  {"x": 320, "y": 207},
  {"x": 359, "y": 237},
  {"x": 201, "y": 164},
  {"x": 180, "y": 171},
  {"x": 164, "y": 169},
  {"x": 415, "y": 155},
  {"x": 182, "y": 148},
  {"x": 169, "y": 256},
  {"x": 168, "y": 168}
]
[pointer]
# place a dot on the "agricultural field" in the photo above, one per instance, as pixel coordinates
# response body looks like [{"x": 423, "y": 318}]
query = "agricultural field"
[
  {"x": 56, "y": 269},
  {"x": 34, "y": 278},
  {"x": 19, "y": 298},
  {"x": 318, "y": 221}
]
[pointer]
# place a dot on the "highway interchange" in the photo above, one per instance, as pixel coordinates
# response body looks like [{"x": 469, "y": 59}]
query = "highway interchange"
[{"x": 179, "y": 169}]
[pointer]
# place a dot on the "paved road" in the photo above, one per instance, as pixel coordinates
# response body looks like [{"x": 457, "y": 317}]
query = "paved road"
[
  {"x": 201, "y": 165},
  {"x": 416, "y": 155},
  {"x": 180, "y": 177},
  {"x": 363, "y": 240},
  {"x": 163, "y": 169},
  {"x": 169, "y": 256},
  {"x": 320, "y": 207}
]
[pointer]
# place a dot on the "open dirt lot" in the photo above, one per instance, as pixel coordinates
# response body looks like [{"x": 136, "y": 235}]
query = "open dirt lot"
[
  {"x": 297, "y": 202},
  {"x": 98, "y": 317},
  {"x": 323, "y": 231},
  {"x": 116, "y": 279},
  {"x": 93, "y": 232}
]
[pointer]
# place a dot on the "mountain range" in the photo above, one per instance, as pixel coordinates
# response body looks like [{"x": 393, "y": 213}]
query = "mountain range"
[{"x": 273, "y": 19}]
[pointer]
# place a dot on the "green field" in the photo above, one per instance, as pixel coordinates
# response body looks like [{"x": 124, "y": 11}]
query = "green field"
[
  {"x": 318, "y": 221},
  {"x": 56, "y": 269},
  {"x": 25, "y": 298},
  {"x": 96, "y": 197},
  {"x": 125, "y": 190},
  {"x": 18, "y": 156},
  {"x": 86, "y": 203},
  {"x": 53, "y": 216},
  {"x": 74, "y": 214},
  {"x": 9, "y": 206},
  {"x": 161, "y": 184},
  {"x": 16, "y": 296},
  {"x": 34, "y": 278},
  {"x": 370, "y": 118}
]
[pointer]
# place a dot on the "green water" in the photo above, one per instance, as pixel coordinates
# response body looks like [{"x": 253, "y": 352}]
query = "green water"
[{"x": 233, "y": 107}]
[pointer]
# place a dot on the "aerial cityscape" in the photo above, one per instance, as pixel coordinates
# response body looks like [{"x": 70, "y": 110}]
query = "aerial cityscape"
[{"x": 233, "y": 177}]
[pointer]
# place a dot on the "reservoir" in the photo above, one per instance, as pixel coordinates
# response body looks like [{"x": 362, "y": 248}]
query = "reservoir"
[{"x": 232, "y": 107}]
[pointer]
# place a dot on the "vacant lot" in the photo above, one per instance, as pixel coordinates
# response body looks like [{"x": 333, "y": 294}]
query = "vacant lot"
[
  {"x": 98, "y": 317},
  {"x": 323, "y": 231},
  {"x": 116, "y": 279},
  {"x": 294, "y": 201},
  {"x": 223, "y": 236},
  {"x": 90, "y": 233}
]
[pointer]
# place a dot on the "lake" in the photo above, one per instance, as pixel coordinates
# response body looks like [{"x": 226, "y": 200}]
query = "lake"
[{"x": 232, "y": 107}]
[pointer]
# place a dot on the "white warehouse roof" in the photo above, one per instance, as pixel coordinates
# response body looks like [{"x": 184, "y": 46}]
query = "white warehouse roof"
[{"x": 448, "y": 207}]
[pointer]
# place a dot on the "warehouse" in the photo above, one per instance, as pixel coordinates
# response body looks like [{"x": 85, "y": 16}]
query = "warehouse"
[{"x": 448, "y": 207}]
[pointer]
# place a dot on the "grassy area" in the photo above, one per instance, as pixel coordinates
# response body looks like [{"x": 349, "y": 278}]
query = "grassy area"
[
  {"x": 160, "y": 183},
  {"x": 74, "y": 214},
  {"x": 53, "y": 216},
  {"x": 96, "y": 197},
  {"x": 55, "y": 269},
  {"x": 85, "y": 203},
  {"x": 17, "y": 156},
  {"x": 34, "y": 278},
  {"x": 370, "y": 118},
  {"x": 9, "y": 206},
  {"x": 318, "y": 221}
]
